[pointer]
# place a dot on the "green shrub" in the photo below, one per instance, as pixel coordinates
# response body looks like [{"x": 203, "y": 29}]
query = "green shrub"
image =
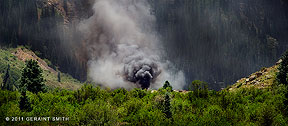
[{"x": 199, "y": 88}]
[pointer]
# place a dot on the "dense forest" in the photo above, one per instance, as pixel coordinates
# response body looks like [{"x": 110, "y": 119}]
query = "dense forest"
[
  {"x": 213, "y": 39},
  {"x": 47, "y": 28}
]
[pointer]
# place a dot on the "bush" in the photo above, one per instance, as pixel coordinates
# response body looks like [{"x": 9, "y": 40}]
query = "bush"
[{"x": 199, "y": 88}]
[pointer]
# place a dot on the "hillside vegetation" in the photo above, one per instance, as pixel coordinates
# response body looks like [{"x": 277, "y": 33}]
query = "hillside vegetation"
[
  {"x": 96, "y": 106},
  {"x": 263, "y": 79},
  {"x": 16, "y": 57},
  {"x": 207, "y": 36},
  {"x": 255, "y": 100}
]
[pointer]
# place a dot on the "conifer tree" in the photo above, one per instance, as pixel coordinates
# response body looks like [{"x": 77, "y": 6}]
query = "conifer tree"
[
  {"x": 24, "y": 103},
  {"x": 6, "y": 85},
  {"x": 167, "y": 107},
  {"x": 167, "y": 86},
  {"x": 59, "y": 77},
  {"x": 32, "y": 78},
  {"x": 283, "y": 69}
]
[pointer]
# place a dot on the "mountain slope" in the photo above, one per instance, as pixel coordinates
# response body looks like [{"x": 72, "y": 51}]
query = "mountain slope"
[
  {"x": 16, "y": 59},
  {"x": 263, "y": 79}
]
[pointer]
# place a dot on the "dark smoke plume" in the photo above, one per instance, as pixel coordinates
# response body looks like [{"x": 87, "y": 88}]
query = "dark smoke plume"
[{"x": 123, "y": 47}]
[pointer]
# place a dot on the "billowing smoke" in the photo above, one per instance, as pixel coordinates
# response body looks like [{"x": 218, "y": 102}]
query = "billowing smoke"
[{"x": 123, "y": 46}]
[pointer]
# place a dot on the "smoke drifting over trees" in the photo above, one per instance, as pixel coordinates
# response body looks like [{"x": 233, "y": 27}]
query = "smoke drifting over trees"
[
  {"x": 217, "y": 41},
  {"x": 124, "y": 48}
]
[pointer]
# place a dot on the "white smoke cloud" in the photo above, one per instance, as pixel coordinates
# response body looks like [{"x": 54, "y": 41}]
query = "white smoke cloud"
[{"x": 123, "y": 47}]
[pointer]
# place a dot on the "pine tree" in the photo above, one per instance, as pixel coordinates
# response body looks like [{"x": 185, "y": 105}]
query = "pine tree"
[
  {"x": 283, "y": 69},
  {"x": 24, "y": 103},
  {"x": 6, "y": 85},
  {"x": 32, "y": 78},
  {"x": 167, "y": 107},
  {"x": 59, "y": 77},
  {"x": 282, "y": 77},
  {"x": 167, "y": 86}
]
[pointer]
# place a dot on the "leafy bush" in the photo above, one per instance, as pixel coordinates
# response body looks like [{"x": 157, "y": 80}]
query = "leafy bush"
[{"x": 199, "y": 88}]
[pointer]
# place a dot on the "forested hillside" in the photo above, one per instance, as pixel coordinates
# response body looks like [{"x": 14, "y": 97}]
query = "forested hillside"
[
  {"x": 245, "y": 103},
  {"x": 47, "y": 27},
  {"x": 12, "y": 62},
  {"x": 121, "y": 52},
  {"x": 213, "y": 39},
  {"x": 207, "y": 39}
]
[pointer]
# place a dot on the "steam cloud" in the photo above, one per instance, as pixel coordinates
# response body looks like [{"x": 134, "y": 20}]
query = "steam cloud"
[{"x": 123, "y": 47}]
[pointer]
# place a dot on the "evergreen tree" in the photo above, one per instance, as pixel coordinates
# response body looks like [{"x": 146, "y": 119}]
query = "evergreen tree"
[
  {"x": 6, "y": 85},
  {"x": 167, "y": 107},
  {"x": 283, "y": 69},
  {"x": 32, "y": 77},
  {"x": 59, "y": 77},
  {"x": 282, "y": 77},
  {"x": 24, "y": 103},
  {"x": 167, "y": 86}
]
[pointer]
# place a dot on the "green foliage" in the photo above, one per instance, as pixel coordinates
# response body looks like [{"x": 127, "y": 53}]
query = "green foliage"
[
  {"x": 5, "y": 84},
  {"x": 16, "y": 69},
  {"x": 24, "y": 104},
  {"x": 97, "y": 112},
  {"x": 7, "y": 96},
  {"x": 282, "y": 76},
  {"x": 49, "y": 63},
  {"x": 32, "y": 78},
  {"x": 95, "y": 106},
  {"x": 199, "y": 88},
  {"x": 10, "y": 70},
  {"x": 37, "y": 53},
  {"x": 167, "y": 86},
  {"x": 119, "y": 96},
  {"x": 138, "y": 93},
  {"x": 167, "y": 107}
]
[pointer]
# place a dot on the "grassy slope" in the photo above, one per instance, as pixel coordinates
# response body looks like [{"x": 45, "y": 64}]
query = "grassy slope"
[
  {"x": 262, "y": 79},
  {"x": 16, "y": 66}
]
